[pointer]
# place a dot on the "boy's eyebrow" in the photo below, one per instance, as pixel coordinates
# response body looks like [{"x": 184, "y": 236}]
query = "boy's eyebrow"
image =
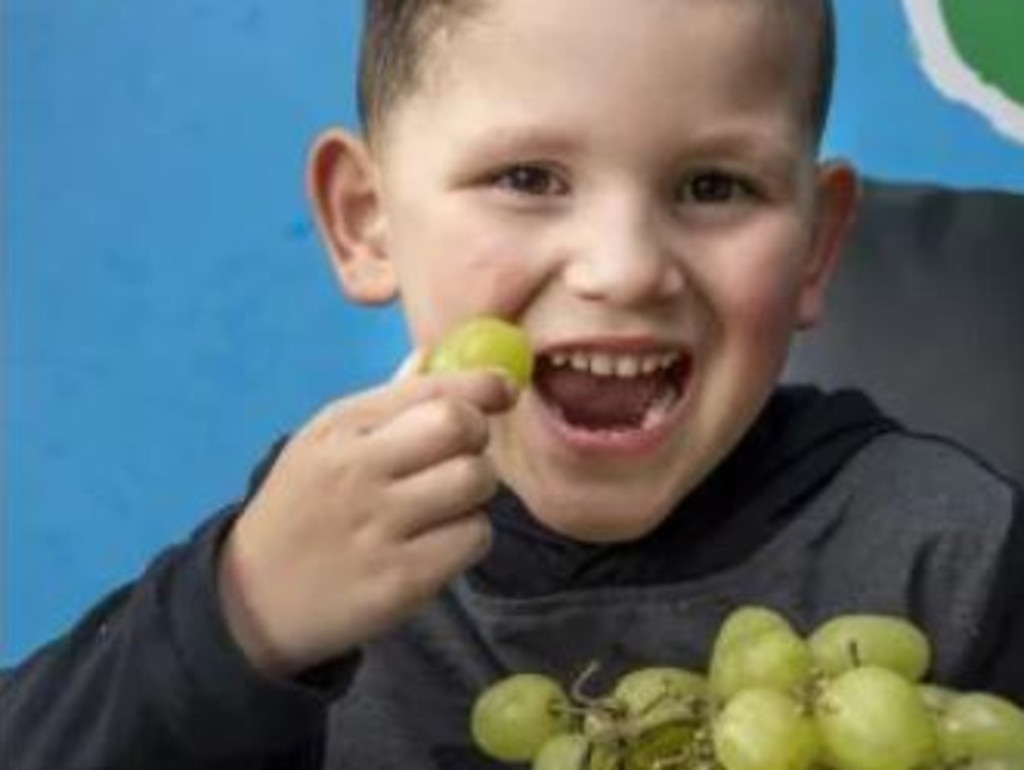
[
  {"x": 531, "y": 139},
  {"x": 772, "y": 153}
]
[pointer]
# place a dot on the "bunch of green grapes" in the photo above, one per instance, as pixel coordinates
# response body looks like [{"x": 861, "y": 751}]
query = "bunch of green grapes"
[{"x": 850, "y": 695}]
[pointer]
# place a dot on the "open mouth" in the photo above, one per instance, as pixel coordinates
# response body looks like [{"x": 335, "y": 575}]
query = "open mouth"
[{"x": 612, "y": 392}]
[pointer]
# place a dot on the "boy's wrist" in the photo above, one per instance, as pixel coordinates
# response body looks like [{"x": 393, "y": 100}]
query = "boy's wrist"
[
  {"x": 247, "y": 625},
  {"x": 267, "y": 708}
]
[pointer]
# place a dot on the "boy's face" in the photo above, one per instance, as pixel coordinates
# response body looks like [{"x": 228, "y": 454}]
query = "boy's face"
[{"x": 633, "y": 183}]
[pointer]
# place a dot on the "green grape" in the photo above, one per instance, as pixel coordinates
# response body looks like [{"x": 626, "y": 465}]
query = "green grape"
[
  {"x": 654, "y": 695},
  {"x": 747, "y": 621},
  {"x": 764, "y": 729},
  {"x": 485, "y": 343},
  {"x": 991, "y": 763},
  {"x": 980, "y": 726},
  {"x": 880, "y": 640},
  {"x": 936, "y": 697},
  {"x": 605, "y": 757},
  {"x": 664, "y": 745},
  {"x": 513, "y": 718},
  {"x": 757, "y": 646},
  {"x": 575, "y": 751},
  {"x": 565, "y": 751},
  {"x": 871, "y": 718},
  {"x": 776, "y": 658}
]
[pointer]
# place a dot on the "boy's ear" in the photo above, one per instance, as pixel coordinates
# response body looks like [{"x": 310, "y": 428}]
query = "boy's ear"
[
  {"x": 838, "y": 191},
  {"x": 343, "y": 186}
]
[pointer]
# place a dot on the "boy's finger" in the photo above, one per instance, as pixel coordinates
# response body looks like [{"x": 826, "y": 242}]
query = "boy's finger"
[
  {"x": 364, "y": 410},
  {"x": 440, "y": 493},
  {"x": 486, "y": 392},
  {"x": 370, "y": 411},
  {"x": 450, "y": 548},
  {"x": 426, "y": 435}
]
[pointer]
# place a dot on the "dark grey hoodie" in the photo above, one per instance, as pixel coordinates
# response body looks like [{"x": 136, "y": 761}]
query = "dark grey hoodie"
[{"x": 825, "y": 508}]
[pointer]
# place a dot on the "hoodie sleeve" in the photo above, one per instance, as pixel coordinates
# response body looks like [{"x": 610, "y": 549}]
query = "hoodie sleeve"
[
  {"x": 999, "y": 665},
  {"x": 152, "y": 678}
]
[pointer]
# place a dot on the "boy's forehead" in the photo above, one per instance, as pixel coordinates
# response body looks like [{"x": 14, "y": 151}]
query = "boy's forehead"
[
  {"x": 416, "y": 49},
  {"x": 594, "y": 45},
  {"x": 505, "y": 29},
  {"x": 803, "y": 17}
]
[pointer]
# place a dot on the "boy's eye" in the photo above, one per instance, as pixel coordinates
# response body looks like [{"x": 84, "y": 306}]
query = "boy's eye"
[
  {"x": 530, "y": 180},
  {"x": 713, "y": 187}
]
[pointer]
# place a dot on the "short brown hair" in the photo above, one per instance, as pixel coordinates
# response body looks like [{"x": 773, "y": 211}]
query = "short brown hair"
[{"x": 396, "y": 34}]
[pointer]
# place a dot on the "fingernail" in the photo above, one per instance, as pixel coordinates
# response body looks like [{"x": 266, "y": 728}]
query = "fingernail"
[
  {"x": 413, "y": 364},
  {"x": 512, "y": 388}
]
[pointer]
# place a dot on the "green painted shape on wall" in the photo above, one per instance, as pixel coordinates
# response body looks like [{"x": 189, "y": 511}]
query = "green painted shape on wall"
[{"x": 987, "y": 34}]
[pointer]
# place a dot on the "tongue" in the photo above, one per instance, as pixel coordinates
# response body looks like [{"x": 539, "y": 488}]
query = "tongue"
[{"x": 601, "y": 402}]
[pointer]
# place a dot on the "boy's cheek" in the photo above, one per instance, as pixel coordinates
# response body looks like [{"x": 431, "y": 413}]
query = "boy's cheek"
[
  {"x": 767, "y": 322},
  {"x": 751, "y": 325},
  {"x": 462, "y": 281}
]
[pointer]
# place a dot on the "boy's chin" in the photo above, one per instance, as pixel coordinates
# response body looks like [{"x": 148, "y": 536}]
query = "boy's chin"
[{"x": 600, "y": 520}]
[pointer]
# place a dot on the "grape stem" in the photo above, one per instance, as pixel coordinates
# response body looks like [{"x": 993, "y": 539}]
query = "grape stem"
[
  {"x": 576, "y": 690},
  {"x": 855, "y": 655}
]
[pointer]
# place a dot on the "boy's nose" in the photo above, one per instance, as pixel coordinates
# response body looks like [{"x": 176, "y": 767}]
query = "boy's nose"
[{"x": 623, "y": 259}]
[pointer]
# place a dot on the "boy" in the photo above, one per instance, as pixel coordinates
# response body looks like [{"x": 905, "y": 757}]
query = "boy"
[{"x": 636, "y": 184}]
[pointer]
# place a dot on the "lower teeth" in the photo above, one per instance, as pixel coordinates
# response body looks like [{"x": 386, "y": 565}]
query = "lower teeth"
[
  {"x": 655, "y": 414},
  {"x": 659, "y": 408}
]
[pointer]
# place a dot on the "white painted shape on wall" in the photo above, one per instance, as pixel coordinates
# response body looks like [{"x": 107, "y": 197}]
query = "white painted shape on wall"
[{"x": 952, "y": 76}]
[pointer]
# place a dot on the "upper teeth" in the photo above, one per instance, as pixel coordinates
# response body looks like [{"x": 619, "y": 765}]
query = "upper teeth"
[{"x": 614, "y": 364}]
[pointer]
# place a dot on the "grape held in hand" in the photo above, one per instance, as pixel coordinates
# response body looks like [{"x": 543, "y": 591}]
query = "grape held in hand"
[{"x": 485, "y": 342}]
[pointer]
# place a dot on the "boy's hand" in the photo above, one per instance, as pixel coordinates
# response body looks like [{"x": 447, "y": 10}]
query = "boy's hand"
[{"x": 369, "y": 510}]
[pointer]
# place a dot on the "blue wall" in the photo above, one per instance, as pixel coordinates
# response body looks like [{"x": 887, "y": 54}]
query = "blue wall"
[
  {"x": 890, "y": 118},
  {"x": 167, "y": 307}
]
